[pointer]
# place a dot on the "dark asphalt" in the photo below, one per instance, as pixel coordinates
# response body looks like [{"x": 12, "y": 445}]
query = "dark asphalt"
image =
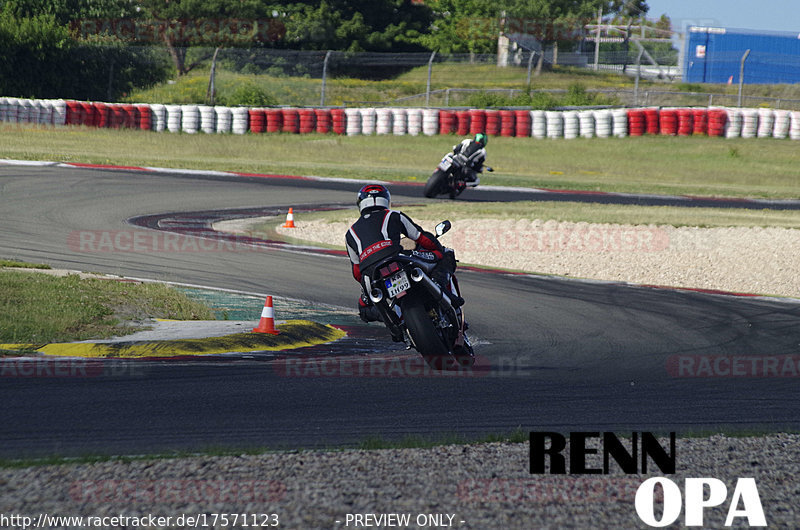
[{"x": 555, "y": 354}]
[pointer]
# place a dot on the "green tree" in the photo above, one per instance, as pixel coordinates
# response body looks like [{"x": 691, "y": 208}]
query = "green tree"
[
  {"x": 184, "y": 23},
  {"x": 355, "y": 25},
  {"x": 462, "y": 26}
]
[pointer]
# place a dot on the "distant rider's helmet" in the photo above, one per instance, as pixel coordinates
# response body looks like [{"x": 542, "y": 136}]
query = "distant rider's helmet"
[
  {"x": 482, "y": 139},
  {"x": 373, "y": 196}
]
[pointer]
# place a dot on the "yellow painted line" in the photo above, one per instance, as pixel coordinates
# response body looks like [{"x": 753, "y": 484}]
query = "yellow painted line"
[{"x": 293, "y": 334}]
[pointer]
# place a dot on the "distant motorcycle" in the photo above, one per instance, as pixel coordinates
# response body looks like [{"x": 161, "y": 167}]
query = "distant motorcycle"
[
  {"x": 452, "y": 177},
  {"x": 412, "y": 304}
]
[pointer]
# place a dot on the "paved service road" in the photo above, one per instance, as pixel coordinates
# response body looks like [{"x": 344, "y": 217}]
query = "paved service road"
[{"x": 555, "y": 354}]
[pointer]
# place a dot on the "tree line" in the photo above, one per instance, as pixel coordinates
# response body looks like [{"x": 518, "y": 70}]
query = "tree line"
[{"x": 121, "y": 42}]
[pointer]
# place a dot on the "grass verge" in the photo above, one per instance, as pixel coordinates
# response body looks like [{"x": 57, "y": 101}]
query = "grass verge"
[
  {"x": 39, "y": 308},
  {"x": 657, "y": 164}
]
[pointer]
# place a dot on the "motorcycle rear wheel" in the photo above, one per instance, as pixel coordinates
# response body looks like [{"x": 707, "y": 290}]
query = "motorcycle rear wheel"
[
  {"x": 425, "y": 336},
  {"x": 435, "y": 184}
]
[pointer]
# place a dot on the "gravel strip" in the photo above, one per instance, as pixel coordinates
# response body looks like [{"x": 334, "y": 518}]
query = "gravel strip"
[
  {"x": 750, "y": 260},
  {"x": 485, "y": 485}
]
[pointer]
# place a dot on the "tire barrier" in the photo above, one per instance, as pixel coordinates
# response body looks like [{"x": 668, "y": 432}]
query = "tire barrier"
[
  {"x": 538, "y": 124},
  {"x": 308, "y": 121},
  {"x": 492, "y": 122},
  {"x": 224, "y": 119},
  {"x": 717, "y": 120},
  {"x": 159, "y": 119},
  {"x": 652, "y": 123},
  {"x": 555, "y": 124},
  {"x": 383, "y": 121},
  {"x": 463, "y": 123},
  {"x": 794, "y": 127},
  {"x": 766, "y": 122},
  {"x": 353, "y": 121},
  {"x": 782, "y": 124},
  {"x": 324, "y": 119},
  {"x": 637, "y": 122},
  {"x": 208, "y": 119},
  {"x": 523, "y": 123},
  {"x": 258, "y": 120},
  {"x": 368, "y": 120},
  {"x": 602, "y": 123},
  {"x": 414, "y": 121},
  {"x": 749, "y": 123},
  {"x": 572, "y": 124},
  {"x": 190, "y": 119},
  {"x": 508, "y": 124},
  {"x": 586, "y": 119},
  {"x": 699, "y": 121},
  {"x": 430, "y": 122},
  {"x": 668, "y": 122},
  {"x": 447, "y": 122},
  {"x": 146, "y": 117},
  {"x": 619, "y": 117},
  {"x": 291, "y": 121},
  {"x": 685, "y": 124},
  {"x": 338, "y": 121},
  {"x": 173, "y": 118},
  {"x": 240, "y": 123},
  {"x": 399, "y": 122},
  {"x": 272, "y": 123},
  {"x": 733, "y": 125},
  {"x": 477, "y": 121}
]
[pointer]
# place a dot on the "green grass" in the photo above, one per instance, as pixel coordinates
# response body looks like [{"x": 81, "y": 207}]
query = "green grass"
[
  {"x": 569, "y": 211},
  {"x": 22, "y": 264},
  {"x": 285, "y": 90},
  {"x": 40, "y": 308},
  {"x": 665, "y": 165}
]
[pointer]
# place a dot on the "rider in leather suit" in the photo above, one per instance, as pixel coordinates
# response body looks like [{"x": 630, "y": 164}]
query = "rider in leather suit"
[{"x": 376, "y": 235}]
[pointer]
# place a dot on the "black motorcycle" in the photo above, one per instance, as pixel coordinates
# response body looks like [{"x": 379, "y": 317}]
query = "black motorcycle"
[
  {"x": 452, "y": 177},
  {"x": 414, "y": 306}
]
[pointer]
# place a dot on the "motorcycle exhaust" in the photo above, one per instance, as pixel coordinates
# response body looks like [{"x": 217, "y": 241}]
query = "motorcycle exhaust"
[
  {"x": 376, "y": 295},
  {"x": 440, "y": 296}
]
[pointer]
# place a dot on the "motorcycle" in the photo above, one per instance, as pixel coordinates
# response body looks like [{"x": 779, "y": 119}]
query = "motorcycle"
[
  {"x": 451, "y": 177},
  {"x": 413, "y": 306}
]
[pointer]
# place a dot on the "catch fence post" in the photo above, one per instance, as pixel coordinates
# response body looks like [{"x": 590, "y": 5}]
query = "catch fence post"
[{"x": 428, "y": 89}]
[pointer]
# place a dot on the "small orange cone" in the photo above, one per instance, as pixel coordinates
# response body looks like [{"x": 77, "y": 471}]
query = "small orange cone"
[
  {"x": 267, "y": 323},
  {"x": 289, "y": 220}
]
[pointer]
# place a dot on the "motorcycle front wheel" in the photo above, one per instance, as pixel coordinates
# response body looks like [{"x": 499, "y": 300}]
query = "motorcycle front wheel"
[
  {"x": 426, "y": 338},
  {"x": 435, "y": 184}
]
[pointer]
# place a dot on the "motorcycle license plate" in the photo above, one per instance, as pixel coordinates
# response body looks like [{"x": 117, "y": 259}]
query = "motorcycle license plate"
[
  {"x": 397, "y": 284},
  {"x": 445, "y": 164}
]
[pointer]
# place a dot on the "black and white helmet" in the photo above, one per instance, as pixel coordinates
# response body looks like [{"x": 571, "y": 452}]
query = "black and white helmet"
[{"x": 373, "y": 196}]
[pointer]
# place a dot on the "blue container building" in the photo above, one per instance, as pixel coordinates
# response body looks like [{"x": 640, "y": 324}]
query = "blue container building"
[{"x": 713, "y": 55}]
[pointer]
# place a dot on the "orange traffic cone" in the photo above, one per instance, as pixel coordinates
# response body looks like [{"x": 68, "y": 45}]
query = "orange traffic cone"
[
  {"x": 267, "y": 323},
  {"x": 289, "y": 220}
]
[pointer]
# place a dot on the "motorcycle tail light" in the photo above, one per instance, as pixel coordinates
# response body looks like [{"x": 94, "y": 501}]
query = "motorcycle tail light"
[{"x": 389, "y": 269}]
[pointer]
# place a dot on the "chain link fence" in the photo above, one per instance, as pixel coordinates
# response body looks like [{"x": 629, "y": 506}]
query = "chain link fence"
[{"x": 264, "y": 76}]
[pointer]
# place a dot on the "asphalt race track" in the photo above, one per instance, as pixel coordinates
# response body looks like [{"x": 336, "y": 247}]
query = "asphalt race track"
[{"x": 555, "y": 354}]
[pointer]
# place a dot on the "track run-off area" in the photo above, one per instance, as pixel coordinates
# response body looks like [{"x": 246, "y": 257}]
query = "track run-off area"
[{"x": 554, "y": 354}]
